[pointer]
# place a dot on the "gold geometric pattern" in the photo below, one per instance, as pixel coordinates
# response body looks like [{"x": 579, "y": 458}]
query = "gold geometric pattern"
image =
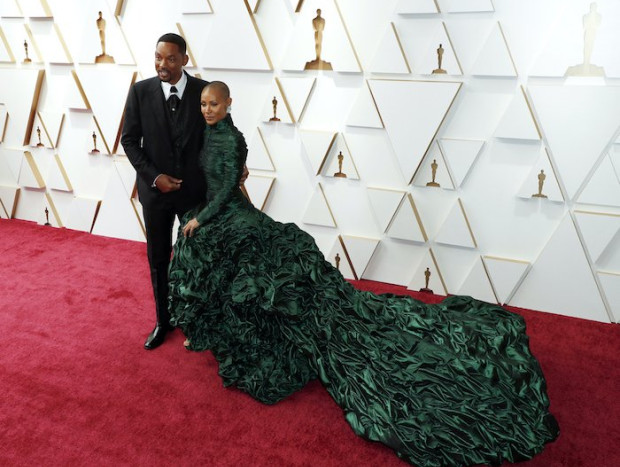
[{"x": 489, "y": 130}]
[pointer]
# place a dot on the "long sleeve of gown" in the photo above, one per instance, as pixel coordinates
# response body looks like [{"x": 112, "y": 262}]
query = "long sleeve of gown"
[{"x": 224, "y": 156}]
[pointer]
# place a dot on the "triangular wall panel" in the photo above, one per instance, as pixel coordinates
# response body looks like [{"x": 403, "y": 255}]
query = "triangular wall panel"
[
  {"x": 598, "y": 231},
  {"x": 506, "y": 274},
  {"x": 384, "y": 205},
  {"x": 579, "y": 123},
  {"x": 405, "y": 105},
  {"x": 495, "y": 58},
  {"x": 562, "y": 283},
  {"x": 390, "y": 57},
  {"x": 604, "y": 186},
  {"x": 318, "y": 211}
]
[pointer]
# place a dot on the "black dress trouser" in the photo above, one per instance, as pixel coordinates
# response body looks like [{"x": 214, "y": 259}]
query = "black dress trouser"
[{"x": 159, "y": 223}]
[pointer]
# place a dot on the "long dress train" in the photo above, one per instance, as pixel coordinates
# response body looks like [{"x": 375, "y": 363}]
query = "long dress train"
[{"x": 449, "y": 384}]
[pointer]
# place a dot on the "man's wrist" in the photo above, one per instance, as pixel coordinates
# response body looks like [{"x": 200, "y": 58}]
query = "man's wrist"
[{"x": 154, "y": 184}]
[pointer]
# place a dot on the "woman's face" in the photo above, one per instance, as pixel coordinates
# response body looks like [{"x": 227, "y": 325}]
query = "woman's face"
[{"x": 213, "y": 105}]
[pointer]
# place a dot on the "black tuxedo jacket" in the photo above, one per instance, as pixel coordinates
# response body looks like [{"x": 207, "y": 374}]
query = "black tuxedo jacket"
[{"x": 148, "y": 143}]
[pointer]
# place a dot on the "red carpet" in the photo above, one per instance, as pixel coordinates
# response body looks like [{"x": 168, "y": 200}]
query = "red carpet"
[{"x": 77, "y": 388}]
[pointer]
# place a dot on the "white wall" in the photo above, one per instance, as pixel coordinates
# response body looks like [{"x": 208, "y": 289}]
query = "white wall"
[{"x": 503, "y": 112}]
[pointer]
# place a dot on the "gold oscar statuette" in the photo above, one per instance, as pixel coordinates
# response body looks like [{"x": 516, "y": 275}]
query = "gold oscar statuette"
[
  {"x": 318, "y": 23},
  {"x": 27, "y": 59},
  {"x": 274, "y": 103},
  {"x": 103, "y": 58},
  {"x": 94, "y": 150},
  {"x": 340, "y": 173},
  {"x": 591, "y": 22},
  {"x": 439, "y": 70},
  {"x": 541, "y": 182},
  {"x": 39, "y": 144},
  {"x": 337, "y": 258},
  {"x": 434, "y": 174},
  {"x": 427, "y": 278},
  {"x": 47, "y": 216}
]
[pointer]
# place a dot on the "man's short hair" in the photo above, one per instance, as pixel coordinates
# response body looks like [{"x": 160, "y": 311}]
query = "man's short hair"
[{"x": 175, "y": 39}]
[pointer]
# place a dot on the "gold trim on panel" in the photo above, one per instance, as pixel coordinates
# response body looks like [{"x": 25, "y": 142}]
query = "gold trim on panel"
[
  {"x": 437, "y": 6},
  {"x": 501, "y": 30},
  {"x": 63, "y": 172},
  {"x": 596, "y": 213},
  {"x": 471, "y": 232},
  {"x": 283, "y": 94},
  {"x": 555, "y": 174},
  {"x": 189, "y": 49},
  {"x": 33, "y": 106},
  {"x": 120, "y": 27},
  {"x": 346, "y": 254},
  {"x": 81, "y": 90},
  {"x": 417, "y": 216},
  {"x": 344, "y": 139},
  {"x": 120, "y": 4},
  {"x": 346, "y": 30},
  {"x": 529, "y": 107},
  {"x": 45, "y": 129},
  {"x": 18, "y": 194},
  {"x": 92, "y": 225},
  {"x": 7, "y": 47},
  {"x": 329, "y": 148},
  {"x": 119, "y": 132},
  {"x": 6, "y": 124},
  {"x": 34, "y": 169},
  {"x": 593, "y": 269},
  {"x": 374, "y": 101},
  {"x": 258, "y": 33},
  {"x": 443, "y": 283},
  {"x": 262, "y": 138},
  {"x": 400, "y": 46},
  {"x": 46, "y": 9},
  {"x": 54, "y": 210},
  {"x": 300, "y": 4},
  {"x": 133, "y": 203},
  {"x": 329, "y": 208},
  {"x": 456, "y": 57},
  {"x": 511, "y": 260},
  {"x": 486, "y": 271},
  {"x": 105, "y": 143},
  {"x": 438, "y": 126},
  {"x": 257, "y": 6},
  {"x": 400, "y": 203},
  {"x": 273, "y": 179}
]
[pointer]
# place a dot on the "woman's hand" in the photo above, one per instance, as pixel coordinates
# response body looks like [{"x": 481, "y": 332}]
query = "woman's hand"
[{"x": 189, "y": 228}]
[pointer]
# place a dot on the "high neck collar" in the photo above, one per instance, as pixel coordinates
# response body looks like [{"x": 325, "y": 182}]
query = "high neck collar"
[{"x": 223, "y": 123}]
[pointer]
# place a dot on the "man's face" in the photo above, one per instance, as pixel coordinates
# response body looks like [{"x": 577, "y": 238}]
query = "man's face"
[{"x": 169, "y": 62}]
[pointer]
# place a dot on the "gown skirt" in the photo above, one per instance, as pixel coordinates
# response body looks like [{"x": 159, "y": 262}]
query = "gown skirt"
[{"x": 448, "y": 384}]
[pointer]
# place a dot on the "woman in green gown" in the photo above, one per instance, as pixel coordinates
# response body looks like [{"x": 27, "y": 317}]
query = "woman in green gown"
[{"x": 449, "y": 384}]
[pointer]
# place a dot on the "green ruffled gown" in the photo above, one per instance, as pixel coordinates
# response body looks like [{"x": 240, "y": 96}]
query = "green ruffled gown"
[{"x": 450, "y": 384}]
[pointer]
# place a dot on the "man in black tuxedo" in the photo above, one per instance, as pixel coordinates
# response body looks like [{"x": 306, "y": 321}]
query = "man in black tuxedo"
[{"x": 162, "y": 137}]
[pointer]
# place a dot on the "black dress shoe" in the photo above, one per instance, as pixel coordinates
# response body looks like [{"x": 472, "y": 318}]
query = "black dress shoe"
[{"x": 156, "y": 337}]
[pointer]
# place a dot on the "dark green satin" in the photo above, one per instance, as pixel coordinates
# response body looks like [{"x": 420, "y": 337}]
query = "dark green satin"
[{"x": 443, "y": 385}]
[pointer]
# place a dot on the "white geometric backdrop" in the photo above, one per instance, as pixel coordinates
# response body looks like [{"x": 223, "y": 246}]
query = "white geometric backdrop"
[{"x": 503, "y": 112}]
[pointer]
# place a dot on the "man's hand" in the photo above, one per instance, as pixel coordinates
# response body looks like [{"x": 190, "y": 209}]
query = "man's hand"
[
  {"x": 189, "y": 228},
  {"x": 166, "y": 183}
]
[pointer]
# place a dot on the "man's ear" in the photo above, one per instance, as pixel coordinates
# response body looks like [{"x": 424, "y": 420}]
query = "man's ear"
[{"x": 185, "y": 59}]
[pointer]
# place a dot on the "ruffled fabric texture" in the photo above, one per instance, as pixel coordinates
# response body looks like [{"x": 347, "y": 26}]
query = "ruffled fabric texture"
[{"x": 450, "y": 384}]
